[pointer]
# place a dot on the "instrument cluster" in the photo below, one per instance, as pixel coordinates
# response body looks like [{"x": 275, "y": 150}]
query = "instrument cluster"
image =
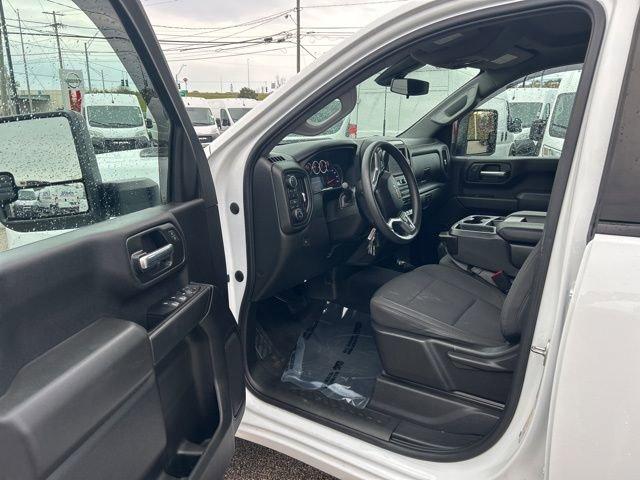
[{"x": 324, "y": 174}]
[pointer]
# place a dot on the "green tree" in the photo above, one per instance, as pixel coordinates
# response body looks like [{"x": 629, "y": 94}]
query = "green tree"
[{"x": 246, "y": 92}]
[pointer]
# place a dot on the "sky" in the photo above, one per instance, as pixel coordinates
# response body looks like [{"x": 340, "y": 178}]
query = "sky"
[
  {"x": 324, "y": 24},
  {"x": 218, "y": 45}
]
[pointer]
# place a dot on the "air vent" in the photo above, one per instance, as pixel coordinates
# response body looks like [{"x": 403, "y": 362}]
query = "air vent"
[{"x": 276, "y": 158}]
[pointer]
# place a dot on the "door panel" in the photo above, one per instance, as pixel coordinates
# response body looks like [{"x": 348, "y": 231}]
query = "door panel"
[
  {"x": 97, "y": 378},
  {"x": 496, "y": 186}
]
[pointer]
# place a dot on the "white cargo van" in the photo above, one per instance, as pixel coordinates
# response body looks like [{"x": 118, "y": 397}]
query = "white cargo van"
[
  {"x": 202, "y": 118},
  {"x": 527, "y": 105},
  {"x": 556, "y": 127},
  {"x": 115, "y": 122},
  {"x": 229, "y": 110}
]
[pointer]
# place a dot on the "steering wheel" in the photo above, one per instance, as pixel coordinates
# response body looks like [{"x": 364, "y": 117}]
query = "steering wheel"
[{"x": 383, "y": 197}]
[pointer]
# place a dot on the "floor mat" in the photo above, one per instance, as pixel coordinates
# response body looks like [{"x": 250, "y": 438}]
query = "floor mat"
[{"x": 337, "y": 356}]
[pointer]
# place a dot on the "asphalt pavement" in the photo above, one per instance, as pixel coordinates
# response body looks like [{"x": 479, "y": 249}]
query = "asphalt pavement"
[
  {"x": 3, "y": 239},
  {"x": 255, "y": 462}
]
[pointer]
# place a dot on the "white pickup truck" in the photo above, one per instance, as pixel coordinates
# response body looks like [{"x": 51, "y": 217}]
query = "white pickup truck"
[{"x": 419, "y": 305}]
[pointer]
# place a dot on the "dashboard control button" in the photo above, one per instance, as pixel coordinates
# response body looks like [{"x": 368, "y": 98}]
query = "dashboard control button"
[
  {"x": 292, "y": 182},
  {"x": 172, "y": 235},
  {"x": 298, "y": 215}
]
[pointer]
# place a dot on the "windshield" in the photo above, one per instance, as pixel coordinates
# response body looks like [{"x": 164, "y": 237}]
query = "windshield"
[
  {"x": 380, "y": 112},
  {"x": 527, "y": 112},
  {"x": 114, "y": 116},
  {"x": 238, "y": 113},
  {"x": 200, "y": 115},
  {"x": 25, "y": 194},
  {"x": 561, "y": 114}
]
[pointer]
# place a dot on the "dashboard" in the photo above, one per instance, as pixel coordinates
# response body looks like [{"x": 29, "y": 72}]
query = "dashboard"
[{"x": 308, "y": 208}]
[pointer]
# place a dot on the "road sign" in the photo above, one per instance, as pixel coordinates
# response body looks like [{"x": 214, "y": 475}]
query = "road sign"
[{"x": 72, "y": 85}]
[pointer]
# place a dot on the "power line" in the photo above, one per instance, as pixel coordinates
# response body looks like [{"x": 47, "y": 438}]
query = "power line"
[
  {"x": 228, "y": 27},
  {"x": 354, "y": 4}
]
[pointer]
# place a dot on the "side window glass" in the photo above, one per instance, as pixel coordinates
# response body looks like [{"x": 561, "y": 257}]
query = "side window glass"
[
  {"x": 83, "y": 137},
  {"x": 225, "y": 118},
  {"x": 531, "y": 117}
]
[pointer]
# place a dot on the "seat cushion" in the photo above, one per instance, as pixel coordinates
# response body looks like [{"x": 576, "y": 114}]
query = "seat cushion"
[{"x": 441, "y": 301}]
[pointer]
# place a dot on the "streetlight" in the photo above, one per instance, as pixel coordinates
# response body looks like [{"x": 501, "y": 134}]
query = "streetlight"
[{"x": 181, "y": 68}]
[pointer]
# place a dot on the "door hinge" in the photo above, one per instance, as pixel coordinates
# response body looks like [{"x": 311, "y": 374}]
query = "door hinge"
[{"x": 541, "y": 351}]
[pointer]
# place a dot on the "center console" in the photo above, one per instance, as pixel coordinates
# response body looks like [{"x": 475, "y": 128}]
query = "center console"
[{"x": 495, "y": 243}]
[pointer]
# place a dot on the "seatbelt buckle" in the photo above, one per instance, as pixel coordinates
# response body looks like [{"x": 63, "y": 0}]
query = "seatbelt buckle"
[{"x": 502, "y": 281}]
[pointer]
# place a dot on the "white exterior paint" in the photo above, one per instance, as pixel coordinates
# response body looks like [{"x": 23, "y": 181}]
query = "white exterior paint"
[
  {"x": 594, "y": 430},
  {"x": 520, "y": 453}
]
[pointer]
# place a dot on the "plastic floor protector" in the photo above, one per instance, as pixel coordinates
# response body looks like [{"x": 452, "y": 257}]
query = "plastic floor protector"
[{"x": 336, "y": 355}]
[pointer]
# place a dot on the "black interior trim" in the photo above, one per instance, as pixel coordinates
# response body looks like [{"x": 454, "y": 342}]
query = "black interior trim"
[{"x": 598, "y": 18}]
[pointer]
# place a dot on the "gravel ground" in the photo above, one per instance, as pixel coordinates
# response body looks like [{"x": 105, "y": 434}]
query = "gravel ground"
[{"x": 255, "y": 462}]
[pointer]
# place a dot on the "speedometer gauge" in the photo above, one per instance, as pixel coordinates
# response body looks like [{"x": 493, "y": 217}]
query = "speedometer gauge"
[{"x": 333, "y": 177}]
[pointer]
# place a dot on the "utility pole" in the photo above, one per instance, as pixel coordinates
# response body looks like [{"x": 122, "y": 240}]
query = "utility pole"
[
  {"x": 57, "y": 34},
  {"x": 12, "y": 78},
  {"x": 103, "y": 87},
  {"x": 3, "y": 83},
  {"x": 248, "y": 74},
  {"x": 86, "y": 59},
  {"x": 297, "y": 35},
  {"x": 24, "y": 61}
]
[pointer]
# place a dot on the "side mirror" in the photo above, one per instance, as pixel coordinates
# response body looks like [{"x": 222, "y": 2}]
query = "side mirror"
[
  {"x": 226, "y": 122},
  {"x": 218, "y": 123},
  {"x": 523, "y": 148},
  {"x": 514, "y": 125},
  {"x": 409, "y": 87},
  {"x": 51, "y": 182},
  {"x": 148, "y": 123},
  {"x": 536, "y": 132},
  {"x": 482, "y": 130}
]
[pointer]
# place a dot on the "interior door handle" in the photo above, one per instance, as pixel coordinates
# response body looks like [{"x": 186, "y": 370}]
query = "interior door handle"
[
  {"x": 149, "y": 261},
  {"x": 493, "y": 173}
]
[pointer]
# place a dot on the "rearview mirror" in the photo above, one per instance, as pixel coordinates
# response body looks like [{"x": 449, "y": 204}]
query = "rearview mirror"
[
  {"x": 50, "y": 178},
  {"x": 481, "y": 132},
  {"x": 409, "y": 87}
]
